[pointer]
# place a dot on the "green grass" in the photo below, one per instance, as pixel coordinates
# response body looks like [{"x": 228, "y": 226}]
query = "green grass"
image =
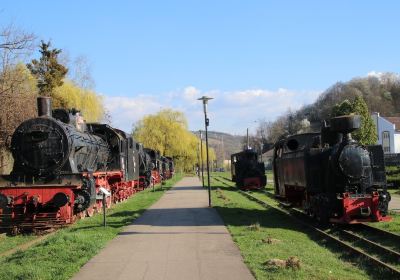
[
  {"x": 250, "y": 224},
  {"x": 61, "y": 255},
  {"x": 393, "y": 176},
  {"x": 393, "y": 225},
  {"x": 8, "y": 242}
]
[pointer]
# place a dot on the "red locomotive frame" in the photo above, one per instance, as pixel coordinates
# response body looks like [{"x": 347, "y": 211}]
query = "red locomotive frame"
[{"x": 30, "y": 205}]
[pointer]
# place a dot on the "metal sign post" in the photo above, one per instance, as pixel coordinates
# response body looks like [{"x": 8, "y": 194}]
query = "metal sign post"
[
  {"x": 104, "y": 193},
  {"x": 104, "y": 210}
]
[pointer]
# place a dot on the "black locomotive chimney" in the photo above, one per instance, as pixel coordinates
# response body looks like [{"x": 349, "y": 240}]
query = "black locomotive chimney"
[
  {"x": 346, "y": 125},
  {"x": 44, "y": 106}
]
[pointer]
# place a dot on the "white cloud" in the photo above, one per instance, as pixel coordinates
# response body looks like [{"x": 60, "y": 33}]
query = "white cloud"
[
  {"x": 191, "y": 93},
  {"x": 229, "y": 111},
  {"x": 125, "y": 111},
  {"x": 375, "y": 74}
]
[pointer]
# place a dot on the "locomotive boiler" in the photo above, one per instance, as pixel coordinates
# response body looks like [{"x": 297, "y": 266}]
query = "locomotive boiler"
[
  {"x": 331, "y": 175},
  {"x": 54, "y": 144},
  {"x": 247, "y": 172}
]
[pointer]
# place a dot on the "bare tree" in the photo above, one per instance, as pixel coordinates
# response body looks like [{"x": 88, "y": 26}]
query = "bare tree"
[
  {"x": 81, "y": 73},
  {"x": 17, "y": 88},
  {"x": 15, "y": 46}
]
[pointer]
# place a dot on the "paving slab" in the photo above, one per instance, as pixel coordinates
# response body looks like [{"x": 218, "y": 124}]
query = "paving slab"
[{"x": 179, "y": 237}]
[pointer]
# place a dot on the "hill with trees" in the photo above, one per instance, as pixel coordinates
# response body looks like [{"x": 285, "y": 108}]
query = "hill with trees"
[
  {"x": 224, "y": 144},
  {"x": 381, "y": 93}
]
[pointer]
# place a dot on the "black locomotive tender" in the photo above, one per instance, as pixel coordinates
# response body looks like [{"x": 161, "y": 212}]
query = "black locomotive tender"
[
  {"x": 331, "y": 176},
  {"x": 60, "y": 164},
  {"x": 247, "y": 172}
]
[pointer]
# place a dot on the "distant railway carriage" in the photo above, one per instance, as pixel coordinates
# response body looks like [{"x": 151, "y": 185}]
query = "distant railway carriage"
[
  {"x": 331, "y": 175},
  {"x": 155, "y": 158},
  {"x": 145, "y": 167},
  {"x": 170, "y": 167},
  {"x": 247, "y": 172}
]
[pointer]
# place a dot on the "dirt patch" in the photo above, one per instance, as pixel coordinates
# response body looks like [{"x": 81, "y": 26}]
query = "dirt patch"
[
  {"x": 254, "y": 227},
  {"x": 291, "y": 262},
  {"x": 270, "y": 240}
]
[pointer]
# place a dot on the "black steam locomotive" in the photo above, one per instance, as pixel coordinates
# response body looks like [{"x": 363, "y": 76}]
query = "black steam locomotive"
[
  {"x": 247, "y": 172},
  {"x": 331, "y": 176},
  {"x": 61, "y": 164}
]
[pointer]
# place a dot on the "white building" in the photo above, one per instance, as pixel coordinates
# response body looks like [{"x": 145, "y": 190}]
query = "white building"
[{"x": 388, "y": 129}]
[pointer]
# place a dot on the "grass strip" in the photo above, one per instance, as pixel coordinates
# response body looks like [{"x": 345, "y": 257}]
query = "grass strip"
[
  {"x": 8, "y": 242},
  {"x": 63, "y": 254},
  {"x": 392, "y": 226},
  {"x": 263, "y": 235}
]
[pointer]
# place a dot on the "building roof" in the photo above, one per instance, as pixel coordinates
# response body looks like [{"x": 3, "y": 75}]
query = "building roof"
[
  {"x": 269, "y": 153},
  {"x": 395, "y": 121}
]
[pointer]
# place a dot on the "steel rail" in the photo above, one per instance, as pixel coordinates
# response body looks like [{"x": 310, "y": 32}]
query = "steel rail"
[
  {"x": 394, "y": 254},
  {"x": 353, "y": 249},
  {"x": 379, "y": 231}
]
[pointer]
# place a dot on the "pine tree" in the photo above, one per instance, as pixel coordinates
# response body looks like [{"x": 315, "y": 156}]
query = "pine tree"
[
  {"x": 48, "y": 72},
  {"x": 366, "y": 135},
  {"x": 344, "y": 108}
]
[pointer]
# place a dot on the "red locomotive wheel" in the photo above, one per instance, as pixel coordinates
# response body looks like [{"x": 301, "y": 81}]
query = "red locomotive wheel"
[
  {"x": 108, "y": 202},
  {"x": 98, "y": 206},
  {"x": 90, "y": 211},
  {"x": 81, "y": 215}
]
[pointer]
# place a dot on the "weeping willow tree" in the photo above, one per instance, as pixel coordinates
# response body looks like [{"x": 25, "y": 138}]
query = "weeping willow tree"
[
  {"x": 87, "y": 101},
  {"x": 167, "y": 131}
]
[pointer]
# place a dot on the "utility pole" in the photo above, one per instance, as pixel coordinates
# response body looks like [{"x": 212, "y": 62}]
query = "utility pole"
[
  {"x": 207, "y": 123},
  {"x": 201, "y": 156}
]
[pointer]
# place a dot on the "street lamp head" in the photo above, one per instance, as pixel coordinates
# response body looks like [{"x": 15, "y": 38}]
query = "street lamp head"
[{"x": 205, "y": 99}]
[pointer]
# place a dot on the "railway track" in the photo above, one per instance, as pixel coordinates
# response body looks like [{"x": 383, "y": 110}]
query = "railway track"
[{"x": 353, "y": 238}]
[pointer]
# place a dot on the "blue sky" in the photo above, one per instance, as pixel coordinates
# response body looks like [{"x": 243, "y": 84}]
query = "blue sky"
[{"x": 257, "y": 58}]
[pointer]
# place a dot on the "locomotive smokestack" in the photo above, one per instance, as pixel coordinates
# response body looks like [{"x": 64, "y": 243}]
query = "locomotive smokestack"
[{"x": 44, "y": 106}]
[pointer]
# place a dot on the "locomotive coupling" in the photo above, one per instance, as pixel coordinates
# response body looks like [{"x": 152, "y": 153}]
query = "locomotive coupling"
[{"x": 365, "y": 211}]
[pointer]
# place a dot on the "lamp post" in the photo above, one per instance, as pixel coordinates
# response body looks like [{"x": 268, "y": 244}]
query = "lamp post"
[
  {"x": 207, "y": 122},
  {"x": 201, "y": 156}
]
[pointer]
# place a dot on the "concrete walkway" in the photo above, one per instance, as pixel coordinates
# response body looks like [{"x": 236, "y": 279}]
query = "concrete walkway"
[
  {"x": 394, "y": 203},
  {"x": 179, "y": 237}
]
